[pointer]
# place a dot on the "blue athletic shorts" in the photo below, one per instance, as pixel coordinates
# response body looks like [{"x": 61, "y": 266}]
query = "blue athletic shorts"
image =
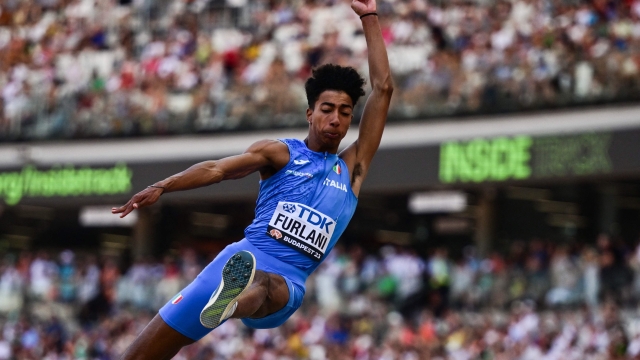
[{"x": 182, "y": 312}]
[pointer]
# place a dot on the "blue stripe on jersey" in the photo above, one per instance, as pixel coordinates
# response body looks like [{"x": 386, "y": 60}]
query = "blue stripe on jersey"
[{"x": 314, "y": 180}]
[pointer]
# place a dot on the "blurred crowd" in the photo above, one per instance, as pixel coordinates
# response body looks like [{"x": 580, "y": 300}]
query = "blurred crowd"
[
  {"x": 538, "y": 300},
  {"x": 90, "y": 68}
]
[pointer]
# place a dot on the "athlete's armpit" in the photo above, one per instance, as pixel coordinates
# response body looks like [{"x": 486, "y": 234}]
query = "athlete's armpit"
[{"x": 357, "y": 167}]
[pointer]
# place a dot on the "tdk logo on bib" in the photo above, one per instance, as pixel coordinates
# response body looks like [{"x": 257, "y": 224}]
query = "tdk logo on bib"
[{"x": 301, "y": 228}]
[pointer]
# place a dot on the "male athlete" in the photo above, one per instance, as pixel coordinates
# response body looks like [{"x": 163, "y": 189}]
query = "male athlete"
[{"x": 308, "y": 194}]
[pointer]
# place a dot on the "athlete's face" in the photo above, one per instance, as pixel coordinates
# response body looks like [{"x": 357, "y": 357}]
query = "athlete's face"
[{"x": 330, "y": 119}]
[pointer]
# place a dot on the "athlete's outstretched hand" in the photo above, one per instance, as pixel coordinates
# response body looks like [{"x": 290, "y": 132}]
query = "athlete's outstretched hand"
[
  {"x": 362, "y": 7},
  {"x": 144, "y": 198}
]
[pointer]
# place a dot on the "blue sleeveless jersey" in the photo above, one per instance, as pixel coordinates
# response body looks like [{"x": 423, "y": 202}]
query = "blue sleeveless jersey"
[{"x": 303, "y": 209}]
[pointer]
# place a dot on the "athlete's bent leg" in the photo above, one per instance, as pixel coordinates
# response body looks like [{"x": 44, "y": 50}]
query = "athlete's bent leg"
[
  {"x": 158, "y": 341},
  {"x": 244, "y": 292},
  {"x": 265, "y": 301}
]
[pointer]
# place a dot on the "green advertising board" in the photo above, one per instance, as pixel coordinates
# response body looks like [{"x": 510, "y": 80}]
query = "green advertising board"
[
  {"x": 524, "y": 157},
  {"x": 476, "y": 161},
  {"x": 64, "y": 181}
]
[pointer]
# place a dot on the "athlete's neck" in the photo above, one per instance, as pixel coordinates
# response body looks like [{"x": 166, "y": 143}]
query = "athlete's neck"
[{"x": 319, "y": 147}]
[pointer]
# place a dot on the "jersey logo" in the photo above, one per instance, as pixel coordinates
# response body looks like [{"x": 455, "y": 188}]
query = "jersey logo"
[
  {"x": 337, "y": 169},
  {"x": 335, "y": 184},
  {"x": 300, "y": 162},
  {"x": 302, "y": 228},
  {"x": 298, "y": 173}
]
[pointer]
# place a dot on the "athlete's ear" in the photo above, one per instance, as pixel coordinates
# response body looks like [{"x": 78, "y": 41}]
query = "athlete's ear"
[{"x": 309, "y": 112}]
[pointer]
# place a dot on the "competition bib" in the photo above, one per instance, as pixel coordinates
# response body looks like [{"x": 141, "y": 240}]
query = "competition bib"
[{"x": 302, "y": 228}]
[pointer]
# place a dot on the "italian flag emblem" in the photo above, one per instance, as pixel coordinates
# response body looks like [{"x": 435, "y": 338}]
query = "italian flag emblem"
[
  {"x": 177, "y": 299},
  {"x": 337, "y": 169}
]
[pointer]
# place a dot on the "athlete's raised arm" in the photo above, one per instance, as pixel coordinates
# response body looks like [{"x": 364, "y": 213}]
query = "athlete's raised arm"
[
  {"x": 358, "y": 155},
  {"x": 266, "y": 156}
]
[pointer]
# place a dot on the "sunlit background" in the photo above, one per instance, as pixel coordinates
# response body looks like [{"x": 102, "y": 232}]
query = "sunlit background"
[{"x": 500, "y": 218}]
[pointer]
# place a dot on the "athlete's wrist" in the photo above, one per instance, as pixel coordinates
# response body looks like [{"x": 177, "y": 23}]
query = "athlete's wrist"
[
  {"x": 155, "y": 186},
  {"x": 369, "y": 13}
]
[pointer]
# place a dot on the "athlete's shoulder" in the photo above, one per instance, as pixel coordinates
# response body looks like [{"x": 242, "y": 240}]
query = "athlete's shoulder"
[
  {"x": 267, "y": 146},
  {"x": 274, "y": 152},
  {"x": 294, "y": 144}
]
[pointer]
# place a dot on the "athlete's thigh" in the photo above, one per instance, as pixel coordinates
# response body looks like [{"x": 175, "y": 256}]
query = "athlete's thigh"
[{"x": 158, "y": 341}]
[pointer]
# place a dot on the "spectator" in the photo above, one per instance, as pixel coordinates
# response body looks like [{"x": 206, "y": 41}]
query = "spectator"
[
  {"x": 343, "y": 315},
  {"x": 138, "y": 67},
  {"x": 42, "y": 274}
]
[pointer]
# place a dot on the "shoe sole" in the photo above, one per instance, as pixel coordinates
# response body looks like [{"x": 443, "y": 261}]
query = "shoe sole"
[{"x": 237, "y": 276}]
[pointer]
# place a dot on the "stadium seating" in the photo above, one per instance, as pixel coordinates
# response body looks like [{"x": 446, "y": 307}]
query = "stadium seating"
[{"x": 91, "y": 68}]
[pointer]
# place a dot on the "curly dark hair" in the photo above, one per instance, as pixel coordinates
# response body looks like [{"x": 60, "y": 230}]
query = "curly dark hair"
[{"x": 334, "y": 77}]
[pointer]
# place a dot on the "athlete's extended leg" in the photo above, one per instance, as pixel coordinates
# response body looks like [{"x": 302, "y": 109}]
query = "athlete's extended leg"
[{"x": 158, "y": 341}]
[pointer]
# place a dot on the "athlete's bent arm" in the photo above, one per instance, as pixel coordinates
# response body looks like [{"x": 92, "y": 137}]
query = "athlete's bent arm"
[
  {"x": 358, "y": 155},
  {"x": 265, "y": 156}
]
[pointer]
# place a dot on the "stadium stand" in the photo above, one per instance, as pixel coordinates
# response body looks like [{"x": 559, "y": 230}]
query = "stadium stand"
[
  {"x": 100, "y": 68},
  {"x": 538, "y": 299}
]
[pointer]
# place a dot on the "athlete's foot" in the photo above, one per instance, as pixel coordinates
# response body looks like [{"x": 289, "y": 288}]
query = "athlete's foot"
[{"x": 237, "y": 276}]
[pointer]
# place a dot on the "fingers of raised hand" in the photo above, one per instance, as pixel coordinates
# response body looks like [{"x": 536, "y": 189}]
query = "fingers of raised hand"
[
  {"x": 358, "y": 6},
  {"x": 360, "y": 9}
]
